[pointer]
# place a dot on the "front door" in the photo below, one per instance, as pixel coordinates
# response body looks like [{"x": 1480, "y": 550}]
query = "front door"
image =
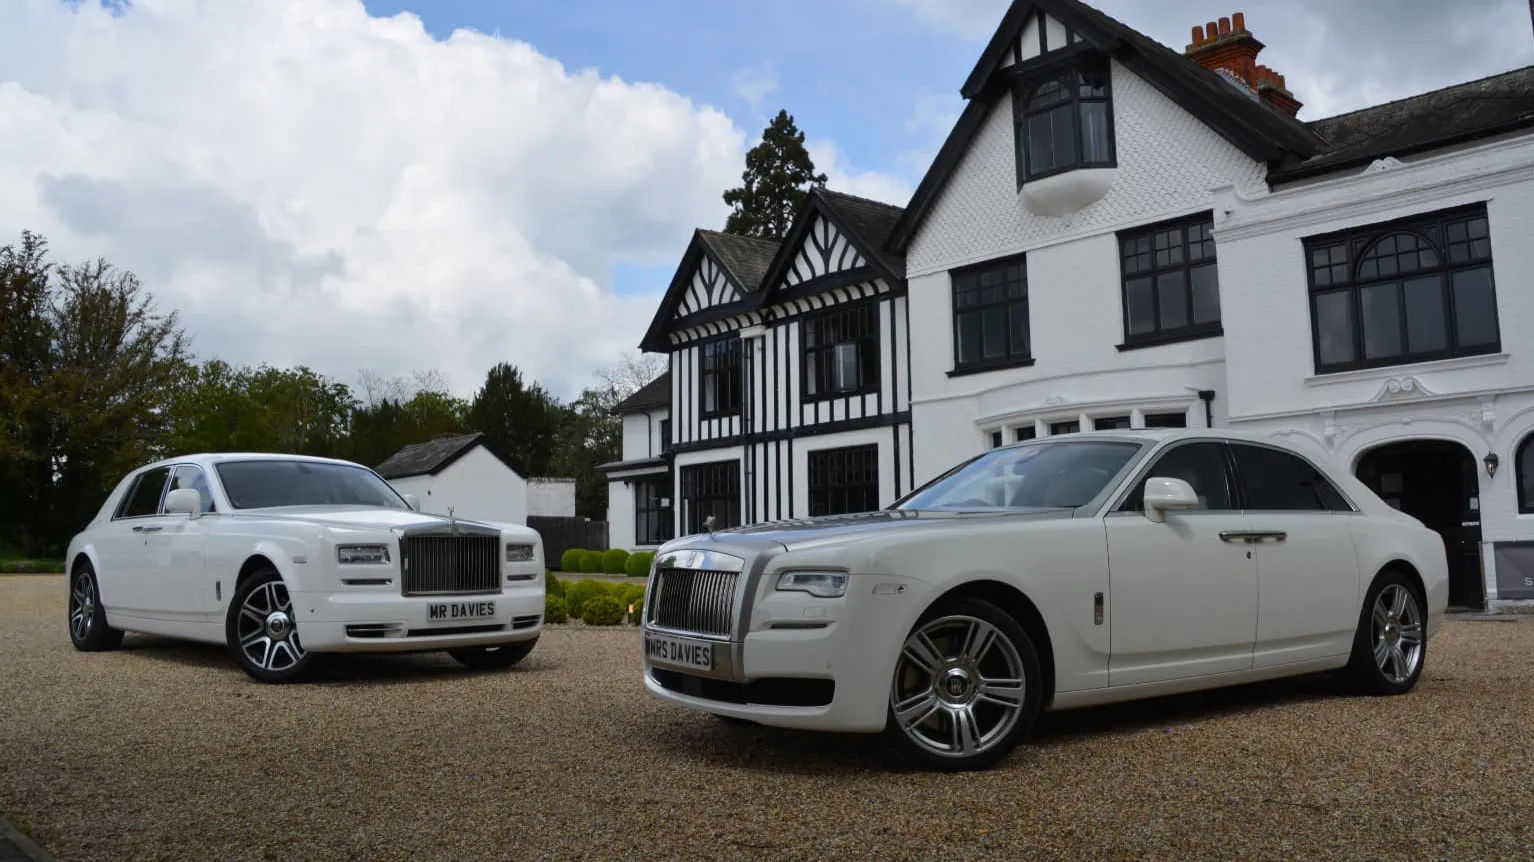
[
  {"x": 1182, "y": 598},
  {"x": 1435, "y": 481},
  {"x": 122, "y": 569}
]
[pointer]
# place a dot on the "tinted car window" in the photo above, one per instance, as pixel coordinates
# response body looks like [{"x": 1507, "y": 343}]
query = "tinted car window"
[
  {"x": 144, "y": 499},
  {"x": 1277, "y": 480},
  {"x": 267, "y": 483},
  {"x": 1201, "y": 465},
  {"x": 190, "y": 476},
  {"x": 1051, "y": 473}
]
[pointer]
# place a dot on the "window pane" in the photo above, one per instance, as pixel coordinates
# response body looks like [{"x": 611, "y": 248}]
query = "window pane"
[
  {"x": 1206, "y": 293},
  {"x": 1172, "y": 290},
  {"x": 1166, "y": 420},
  {"x": 1041, "y": 140},
  {"x": 1094, "y": 132},
  {"x": 1018, "y": 313},
  {"x": 1525, "y": 467},
  {"x": 1278, "y": 481},
  {"x": 144, "y": 499},
  {"x": 995, "y": 333},
  {"x": 1141, "y": 306},
  {"x": 846, "y": 366},
  {"x": 969, "y": 336},
  {"x": 1201, "y": 465},
  {"x": 1426, "y": 329},
  {"x": 1382, "y": 320},
  {"x": 1475, "y": 308},
  {"x": 1064, "y": 134},
  {"x": 1334, "y": 328},
  {"x": 1070, "y": 427}
]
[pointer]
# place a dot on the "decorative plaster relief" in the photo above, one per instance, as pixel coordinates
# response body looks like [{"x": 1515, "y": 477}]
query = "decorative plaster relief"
[
  {"x": 1384, "y": 164},
  {"x": 1398, "y": 388}
]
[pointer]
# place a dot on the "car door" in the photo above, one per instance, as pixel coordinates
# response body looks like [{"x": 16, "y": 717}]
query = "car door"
[
  {"x": 122, "y": 569},
  {"x": 1183, "y": 595},
  {"x": 1307, "y": 567},
  {"x": 174, "y": 546}
]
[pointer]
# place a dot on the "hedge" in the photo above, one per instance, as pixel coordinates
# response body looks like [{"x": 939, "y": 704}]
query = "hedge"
[
  {"x": 553, "y": 586},
  {"x": 554, "y": 609},
  {"x": 638, "y": 565},
  {"x": 602, "y": 610},
  {"x": 578, "y": 596},
  {"x": 614, "y": 560},
  {"x": 570, "y": 560}
]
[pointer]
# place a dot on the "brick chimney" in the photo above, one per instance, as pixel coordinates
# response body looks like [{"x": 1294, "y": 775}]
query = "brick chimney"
[{"x": 1227, "y": 46}]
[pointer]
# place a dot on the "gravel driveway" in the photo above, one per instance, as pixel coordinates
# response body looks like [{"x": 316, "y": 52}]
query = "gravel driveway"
[{"x": 167, "y": 751}]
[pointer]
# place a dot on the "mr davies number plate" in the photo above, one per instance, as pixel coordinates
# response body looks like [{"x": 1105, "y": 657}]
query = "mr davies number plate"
[
  {"x": 678, "y": 652},
  {"x": 447, "y": 612}
]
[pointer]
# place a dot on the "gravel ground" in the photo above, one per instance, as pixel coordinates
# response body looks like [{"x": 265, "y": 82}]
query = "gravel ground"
[{"x": 166, "y": 751}]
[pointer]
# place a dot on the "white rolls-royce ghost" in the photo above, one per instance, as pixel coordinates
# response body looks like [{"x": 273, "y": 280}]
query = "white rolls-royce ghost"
[
  {"x": 281, "y": 557},
  {"x": 1068, "y": 571}
]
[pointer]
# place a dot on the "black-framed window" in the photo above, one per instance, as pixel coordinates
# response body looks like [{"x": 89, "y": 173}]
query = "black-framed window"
[
  {"x": 1063, "y": 122},
  {"x": 996, "y": 439},
  {"x": 841, "y": 351},
  {"x": 1025, "y": 432},
  {"x": 711, "y": 489},
  {"x": 1410, "y": 290},
  {"x": 143, "y": 499},
  {"x": 1171, "y": 286},
  {"x": 844, "y": 480},
  {"x": 1110, "y": 423},
  {"x": 1177, "y": 419},
  {"x": 1523, "y": 469},
  {"x": 719, "y": 377},
  {"x": 653, "y": 522},
  {"x": 1068, "y": 427},
  {"x": 990, "y": 314}
]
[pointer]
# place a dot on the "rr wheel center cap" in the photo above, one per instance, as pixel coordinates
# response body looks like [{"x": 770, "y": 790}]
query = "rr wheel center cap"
[
  {"x": 278, "y": 626},
  {"x": 956, "y": 684}
]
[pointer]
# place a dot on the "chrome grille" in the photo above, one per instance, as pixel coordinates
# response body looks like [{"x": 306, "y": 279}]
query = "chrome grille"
[
  {"x": 693, "y": 600},
  {"x": 449, "y": 565}
]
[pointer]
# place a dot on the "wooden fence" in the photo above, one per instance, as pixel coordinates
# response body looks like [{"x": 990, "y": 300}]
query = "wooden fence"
[{"x": 562, "y": 533}]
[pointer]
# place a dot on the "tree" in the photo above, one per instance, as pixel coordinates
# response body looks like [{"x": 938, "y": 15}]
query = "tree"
[
  {"x": 778, "y": 177},
  {"x": 522, "y": 419}
]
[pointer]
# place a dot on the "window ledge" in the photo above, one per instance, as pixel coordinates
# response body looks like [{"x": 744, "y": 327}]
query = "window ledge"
[
  {"x": 967, "y": 370},
  {"x": 1386, "y": 371},
  {"x": 837, "y": 396},
  {"x": 1163, "y": 340},
  {"x": 1067, "y": 193}
]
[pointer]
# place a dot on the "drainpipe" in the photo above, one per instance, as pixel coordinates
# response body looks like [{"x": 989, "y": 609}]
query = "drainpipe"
[{"x": 1207, "y": 396}]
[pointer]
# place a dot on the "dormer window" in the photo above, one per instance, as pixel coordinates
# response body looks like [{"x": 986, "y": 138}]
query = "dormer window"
[{"x": 1063, "y": 122}]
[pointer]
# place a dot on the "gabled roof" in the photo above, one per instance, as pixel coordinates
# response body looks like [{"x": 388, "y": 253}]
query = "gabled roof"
[
  {"x": 738, "y": 260},
  {"x": 745, "y": 257},
  {"x": 1257, "y": 129},
  {"x": 656, "y": 393},
  {"x": 866, "y": 223},
  {"x": 1474, "y": 109},
  {"x": 436, "y": 454}
]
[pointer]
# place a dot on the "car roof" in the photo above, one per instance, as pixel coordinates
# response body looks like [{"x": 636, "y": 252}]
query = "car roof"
[
  {"x": 1157, "y": 435},
  {"x": 210, "y": 458}
]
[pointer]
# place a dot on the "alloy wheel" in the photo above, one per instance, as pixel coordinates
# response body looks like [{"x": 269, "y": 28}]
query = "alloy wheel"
[
  {"x": 1398, "y": 636},
  {"x": 959, "y": 686},
  {"x": 267, "y": 635},
  {"x": 82, "y": 606}
]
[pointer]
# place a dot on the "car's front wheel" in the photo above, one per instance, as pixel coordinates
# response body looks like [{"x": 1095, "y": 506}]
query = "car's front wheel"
[
  {"x": 1391, "y": 642},
  {"x": 88, "y": 629},
  {"x": 496, "y": 657},
  {"x": 967, "y": 686},
  {"x": 262, "y": 632}
]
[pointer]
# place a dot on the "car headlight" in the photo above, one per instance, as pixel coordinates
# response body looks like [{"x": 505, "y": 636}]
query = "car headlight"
[
  {"x": 519, "y": 553},
  {"x": 375, "y": 554},
  {"x": 826, "y": 585}
]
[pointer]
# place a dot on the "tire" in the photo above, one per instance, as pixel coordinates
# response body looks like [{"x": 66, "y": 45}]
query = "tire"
[
  {"x": 939, "y": 677},
  {"x": 498, "y": 657},
  {"x": 88, "y": 629},
  {"x": 1390, "y": 645},
  {"x": 261, "y": 631}
]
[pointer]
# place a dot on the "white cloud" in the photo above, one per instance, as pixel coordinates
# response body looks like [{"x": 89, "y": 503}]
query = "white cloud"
[
  {"x": 754, "y": 85},
  {"x": 308, "y": 184},
  {"x": 843, "y": 177}
]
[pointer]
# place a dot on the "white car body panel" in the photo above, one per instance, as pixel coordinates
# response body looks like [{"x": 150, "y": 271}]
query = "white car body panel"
[
  {"x": 175, "y": 574},
  {"x": 1182, "y": 608}
]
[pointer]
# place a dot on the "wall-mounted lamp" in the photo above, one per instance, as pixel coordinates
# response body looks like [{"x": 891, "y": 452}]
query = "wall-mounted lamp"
[{"x": 1491, "y": 461}]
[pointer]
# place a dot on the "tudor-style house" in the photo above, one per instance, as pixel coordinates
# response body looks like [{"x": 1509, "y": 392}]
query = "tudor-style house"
[{"x": 1117, "y": 234}]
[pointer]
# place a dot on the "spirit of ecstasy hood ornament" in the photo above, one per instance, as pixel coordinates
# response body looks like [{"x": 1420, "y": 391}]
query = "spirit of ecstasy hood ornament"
[
  {"x": 452, "y": 522},
  {"x": 708, "y": 524}
]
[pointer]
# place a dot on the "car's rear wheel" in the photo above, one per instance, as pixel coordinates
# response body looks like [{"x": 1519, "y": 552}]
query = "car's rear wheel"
[
  {"x": 966, "y": 687},
  {"x": 262, "y": 630},
  {"x": 1390, "y": 645},
  {"x": 495, "y": 657},
  {"x": 88, "y": 629}
]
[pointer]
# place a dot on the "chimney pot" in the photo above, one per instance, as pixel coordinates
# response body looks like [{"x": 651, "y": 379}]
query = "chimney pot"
[
  {"x": 1211, "y": 29},
  {"x": 1224, "y": 26},
  {"x": 1198, "y": 35},
  {"x": 1238, "y": 21}
]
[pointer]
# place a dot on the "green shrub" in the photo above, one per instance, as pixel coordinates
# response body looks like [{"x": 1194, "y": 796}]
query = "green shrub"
[
  {"x": 614, "y": 560},
  {"x": 564, "y": 587},
  {"x": 633, "y": 596},
  {"x": 570, "y": 560},
  {"x": 602, "y": 610},
  {"x": 555, "y": 610},
  {"x": 582, "y": 592},
  {"x": 553, "y": 586},
  {"x": 638, "y": 565},
  {"x": 591, "y": 562}
]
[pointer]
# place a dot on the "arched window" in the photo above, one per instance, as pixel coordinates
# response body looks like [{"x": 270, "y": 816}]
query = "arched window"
[
  {"x": 1523, "y": 464},
  {"x": 1063, "y": 123},
  {"x": 1411, "y": 291}
]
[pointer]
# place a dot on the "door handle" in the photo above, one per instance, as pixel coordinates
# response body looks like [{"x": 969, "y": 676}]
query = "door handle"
[
  {"x": 142, "y": 529},
  {"x": 1253, "y": 537}
]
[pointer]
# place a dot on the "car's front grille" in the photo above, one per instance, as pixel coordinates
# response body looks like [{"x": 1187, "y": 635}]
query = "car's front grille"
[
  {"x": 449, "y": 565},
  {"x": 693, "y": 600}
]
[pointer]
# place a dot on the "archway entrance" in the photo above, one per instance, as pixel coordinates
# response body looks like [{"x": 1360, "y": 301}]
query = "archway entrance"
[{"x": 1435, "y": 481}]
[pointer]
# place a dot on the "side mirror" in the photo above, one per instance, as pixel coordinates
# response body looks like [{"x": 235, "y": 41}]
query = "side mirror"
[
  {"x": 1163, "y": 494},
  {"x": 413, "y": 502},
  {"x": 183, "y": 501}
]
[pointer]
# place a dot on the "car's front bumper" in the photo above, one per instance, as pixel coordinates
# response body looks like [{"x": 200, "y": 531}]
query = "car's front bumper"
[{"x": 389, "y": 622}]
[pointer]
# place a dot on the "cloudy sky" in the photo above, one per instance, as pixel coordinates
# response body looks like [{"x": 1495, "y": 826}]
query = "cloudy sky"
[{"x": 402, "y": 185}]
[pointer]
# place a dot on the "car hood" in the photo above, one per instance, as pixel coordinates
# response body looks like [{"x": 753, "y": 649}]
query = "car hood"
[
  {"x": 808, "y": 532},
  {"x": 368, "y": 518}
]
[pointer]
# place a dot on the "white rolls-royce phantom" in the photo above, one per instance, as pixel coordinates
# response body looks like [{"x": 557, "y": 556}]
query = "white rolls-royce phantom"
[
  {"x": 282, "y": 557},
  {"x": 1064, "y": 572}
]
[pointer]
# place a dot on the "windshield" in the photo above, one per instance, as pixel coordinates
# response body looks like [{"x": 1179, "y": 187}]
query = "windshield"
[
  {"x": 264, "y": 484},
  {"x": 1044, "y": 475}
]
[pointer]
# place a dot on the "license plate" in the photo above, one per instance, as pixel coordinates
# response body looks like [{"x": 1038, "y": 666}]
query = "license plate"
[
  {"x": 443, "y": 612},
  {"x": 682, "y": 653}
]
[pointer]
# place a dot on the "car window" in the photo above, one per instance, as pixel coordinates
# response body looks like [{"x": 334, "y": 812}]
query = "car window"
[
  {"x": 269, "y": 483},
  {"x": 191, "y": 476},
  {"x": 1275, "y": 480},
  {"x": 1201, "y": 465},
  {"x": 144, "y": 498},
  {"x": 1048, "y": 474}
]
